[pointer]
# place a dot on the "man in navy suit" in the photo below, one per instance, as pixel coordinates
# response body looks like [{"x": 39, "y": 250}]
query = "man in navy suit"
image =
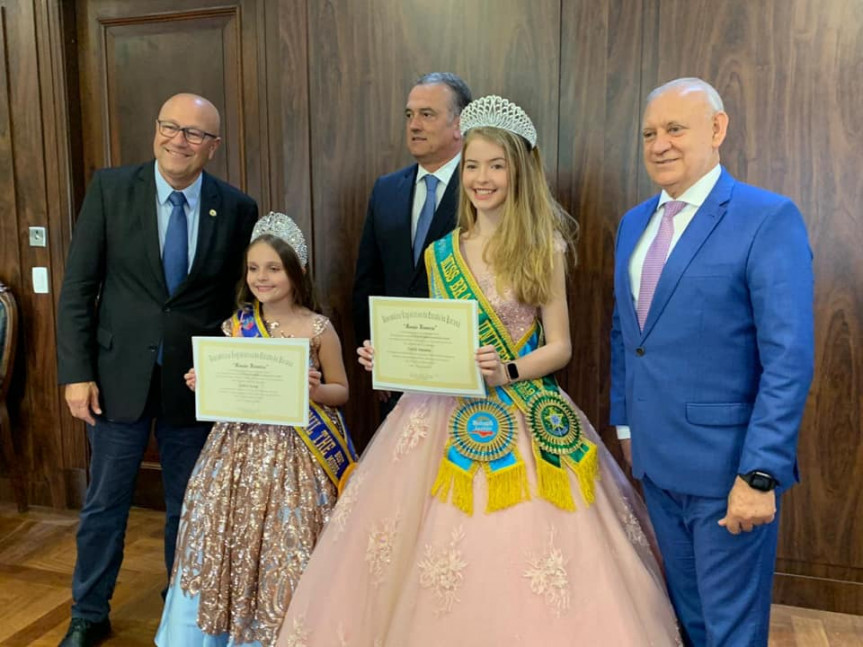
[
  {"x": 712, "y": 357},
  {"x": 413, "y": 207},
  {"x": 155, "y": 259}
]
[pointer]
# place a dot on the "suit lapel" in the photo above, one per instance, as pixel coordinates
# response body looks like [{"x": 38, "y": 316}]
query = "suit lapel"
[
  {"x": 144, "y": 202},
  {"x": 704, "y": 222},
  {"x": 627, "y": 247},
  {"x": 209, "y": 213},
  {"x": 402, "y": 208}
]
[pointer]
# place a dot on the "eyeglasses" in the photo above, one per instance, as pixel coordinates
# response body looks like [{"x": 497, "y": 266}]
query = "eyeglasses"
[{"x": 193, "y": 135}]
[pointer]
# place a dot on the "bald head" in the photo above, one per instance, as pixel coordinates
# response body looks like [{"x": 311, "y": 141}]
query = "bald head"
[
  {"x": 182, "y": 118},
  {"x": 683, "y": 127}
]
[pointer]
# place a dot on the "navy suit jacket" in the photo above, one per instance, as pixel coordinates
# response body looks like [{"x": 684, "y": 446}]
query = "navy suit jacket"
[
  {"x": 385, "y": 262},
  {"x": 114, "y": 308},
  {"x": 716, "y": 383}
]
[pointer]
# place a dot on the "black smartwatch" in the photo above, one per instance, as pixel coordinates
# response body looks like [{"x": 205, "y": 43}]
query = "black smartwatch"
[
  {"x": 761, "y": 481},
  {"x": 512, "y": 371}
]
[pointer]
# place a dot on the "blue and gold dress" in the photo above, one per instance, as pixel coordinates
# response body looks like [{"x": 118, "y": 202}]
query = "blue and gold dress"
[{"x": 258, "y": 499}]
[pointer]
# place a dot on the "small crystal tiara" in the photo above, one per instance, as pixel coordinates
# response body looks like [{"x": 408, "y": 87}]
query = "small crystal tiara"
[
  {"x": 497, "y": 112},
  {"x": 282, "y": 226}
]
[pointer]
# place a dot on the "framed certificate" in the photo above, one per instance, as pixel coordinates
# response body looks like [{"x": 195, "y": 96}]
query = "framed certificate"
[
  {"x": 426, "y": 345},
  {"x": 252, "y": 380}
]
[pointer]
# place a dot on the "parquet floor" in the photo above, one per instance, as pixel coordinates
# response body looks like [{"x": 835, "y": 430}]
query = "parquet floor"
[{"x": 37, "y": 555}]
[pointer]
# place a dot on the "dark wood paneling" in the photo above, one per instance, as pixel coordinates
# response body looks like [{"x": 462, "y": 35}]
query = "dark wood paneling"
[
  {"x": 789, "y": 73},
  {"x": 28, "y": 175},
  {"x": 364, "y": 56},
  {"x": 599, "y": 164}
]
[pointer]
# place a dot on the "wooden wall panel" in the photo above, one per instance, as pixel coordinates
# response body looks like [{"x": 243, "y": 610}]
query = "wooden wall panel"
[
  {"x": 31, "y": 195},
  {"x": 364, "y": 56},
  {"x": 789, "y": 72},
  {"x": 600, "y": 98}
]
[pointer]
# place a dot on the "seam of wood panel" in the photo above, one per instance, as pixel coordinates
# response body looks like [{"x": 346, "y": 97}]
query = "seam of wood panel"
[{"x": 312, "y": 229}]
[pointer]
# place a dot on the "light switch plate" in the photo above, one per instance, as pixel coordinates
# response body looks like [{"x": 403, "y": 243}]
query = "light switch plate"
[
  {"x": 38, "y": 237},
  {"x": 40, "y": 280}
]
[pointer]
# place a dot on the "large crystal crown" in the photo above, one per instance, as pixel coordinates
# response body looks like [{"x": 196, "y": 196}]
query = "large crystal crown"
[
  {"x": 497, "y": 112},
  {"x": 282, "y": 226}
]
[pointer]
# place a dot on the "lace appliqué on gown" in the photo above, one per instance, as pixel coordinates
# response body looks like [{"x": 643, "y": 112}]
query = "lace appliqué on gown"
[
  {"x": 549, "y": 578},
  {"x": 441, "y": 571},
  {"x": 415, "y": 431},
  {"x": 343, "y": 509},
  {"x": 380, "y": 548}
]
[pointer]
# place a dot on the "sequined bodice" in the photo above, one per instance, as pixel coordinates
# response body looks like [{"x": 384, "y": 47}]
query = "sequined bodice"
[{"x": 517, "y": 317}]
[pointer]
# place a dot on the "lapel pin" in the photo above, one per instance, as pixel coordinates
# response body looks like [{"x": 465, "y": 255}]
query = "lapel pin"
[{"x": 213, "y": 212}]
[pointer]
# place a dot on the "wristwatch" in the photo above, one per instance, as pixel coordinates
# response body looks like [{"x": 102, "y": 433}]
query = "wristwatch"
[
  {"x": 761, "y": 481},
  {"x": 512, "y": 371}
]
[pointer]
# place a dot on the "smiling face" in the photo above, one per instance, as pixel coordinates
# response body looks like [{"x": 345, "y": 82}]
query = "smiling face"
[
  {"x": 485, "y": 176},
  {"x": 179, "y": 161},
  {"x": 682, "y": 134},
  {"x": 432, "y": 131},
  {"x": 266, "y": 275}
]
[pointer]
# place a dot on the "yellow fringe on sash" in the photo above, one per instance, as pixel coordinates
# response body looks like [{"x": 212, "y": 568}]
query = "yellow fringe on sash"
[
  {"x": 587, "y": 471},
  {"x": 507, "y": 486},
  {"x": 552, "y": 482},
  {"x": 452, "y": 477}
]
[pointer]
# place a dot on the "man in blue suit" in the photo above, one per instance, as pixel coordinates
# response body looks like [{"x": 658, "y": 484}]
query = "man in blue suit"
[
  {"x": 413, "y": 207},
  {"x": 712, "y": 357}
]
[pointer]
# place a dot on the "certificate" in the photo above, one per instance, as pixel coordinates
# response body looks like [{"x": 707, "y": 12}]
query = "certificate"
[
  {"x": 252, "y": 380},
  {"x": 426, "y": 345}
]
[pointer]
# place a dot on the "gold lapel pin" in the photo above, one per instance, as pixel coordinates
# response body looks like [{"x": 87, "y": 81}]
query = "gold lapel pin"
[{"x": 213, "y": 212}]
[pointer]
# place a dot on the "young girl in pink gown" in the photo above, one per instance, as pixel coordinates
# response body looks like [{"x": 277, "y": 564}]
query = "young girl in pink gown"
[{"x": 490, "y": 522}]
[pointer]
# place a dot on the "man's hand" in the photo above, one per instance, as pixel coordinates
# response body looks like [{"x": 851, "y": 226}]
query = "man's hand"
[
  {"x": 82, "y": 398},
  {"x": 626, "y": 448},
  {"x": 747, "y": 508}
]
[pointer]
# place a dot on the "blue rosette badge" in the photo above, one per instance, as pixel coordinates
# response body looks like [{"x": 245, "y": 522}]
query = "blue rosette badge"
[{"x": 482, "y": 433}]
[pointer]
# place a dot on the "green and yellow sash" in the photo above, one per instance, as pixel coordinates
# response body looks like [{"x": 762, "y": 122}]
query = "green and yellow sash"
[
  {"x": 556, "y": 432},
  {"x": 327, "y": 436}
]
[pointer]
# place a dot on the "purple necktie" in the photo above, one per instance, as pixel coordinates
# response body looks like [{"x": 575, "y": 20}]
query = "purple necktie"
[{"x": 655, "y": 259}]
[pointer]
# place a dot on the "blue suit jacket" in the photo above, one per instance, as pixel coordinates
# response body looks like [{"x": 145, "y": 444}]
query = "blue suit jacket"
[
  {"x": 716, "y": 383},
  {"x": 385, "y": 262}
]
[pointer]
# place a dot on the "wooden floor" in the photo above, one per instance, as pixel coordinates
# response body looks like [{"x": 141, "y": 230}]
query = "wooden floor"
[{"x": 37, "y": 555}]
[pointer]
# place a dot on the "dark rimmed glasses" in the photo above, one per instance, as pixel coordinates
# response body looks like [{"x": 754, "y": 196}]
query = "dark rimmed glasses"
[{"x": 193, "y": 135}]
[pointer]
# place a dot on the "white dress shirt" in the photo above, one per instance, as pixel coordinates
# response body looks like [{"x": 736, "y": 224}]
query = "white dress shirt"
[
  {"x": 694, "y": 197},
  {"x": 444, "y": 175}
]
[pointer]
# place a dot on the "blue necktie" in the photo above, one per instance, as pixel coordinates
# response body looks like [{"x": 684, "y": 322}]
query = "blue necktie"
[
  {"x": 426, "y": 216},
  {"x": 175, "y": 255}
]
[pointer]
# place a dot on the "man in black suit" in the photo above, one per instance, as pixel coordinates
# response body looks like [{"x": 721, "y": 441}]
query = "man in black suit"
[
  {"x": 413, "y": 207},
  {"x": 155, "y": 259}
]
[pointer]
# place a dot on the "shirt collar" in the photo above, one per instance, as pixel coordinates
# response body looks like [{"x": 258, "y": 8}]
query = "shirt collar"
[
  {"x": 444, "y": 173},
  {"x": 698, "y": 192},
  {"x": 192, "y": 192}
]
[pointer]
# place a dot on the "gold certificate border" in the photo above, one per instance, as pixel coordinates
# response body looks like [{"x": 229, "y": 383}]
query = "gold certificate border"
[
  {"x": 208, "y": 404},
  {"x": 461, "y": 309}
]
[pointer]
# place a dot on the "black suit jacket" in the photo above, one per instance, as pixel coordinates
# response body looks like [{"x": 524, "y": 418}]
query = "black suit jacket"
[
  {"x": 114, "y": 308},
  {"x": 385, "y": 263}
]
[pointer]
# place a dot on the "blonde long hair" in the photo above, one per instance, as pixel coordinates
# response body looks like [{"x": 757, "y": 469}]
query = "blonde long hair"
[{"x": 522, "y": 249}]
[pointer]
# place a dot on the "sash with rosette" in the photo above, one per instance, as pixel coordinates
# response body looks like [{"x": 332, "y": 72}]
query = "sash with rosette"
[
  {"x": 557, "y": 437},
  {"x": 327, "y": 436}
]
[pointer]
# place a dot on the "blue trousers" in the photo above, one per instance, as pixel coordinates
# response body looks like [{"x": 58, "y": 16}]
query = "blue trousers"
[
  {"x": 720, "y": 584},
  {"x": 117, "y": 449}
]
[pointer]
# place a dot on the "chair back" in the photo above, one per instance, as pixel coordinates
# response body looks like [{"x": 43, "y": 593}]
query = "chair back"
[{"x": 8, "y": 337}]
